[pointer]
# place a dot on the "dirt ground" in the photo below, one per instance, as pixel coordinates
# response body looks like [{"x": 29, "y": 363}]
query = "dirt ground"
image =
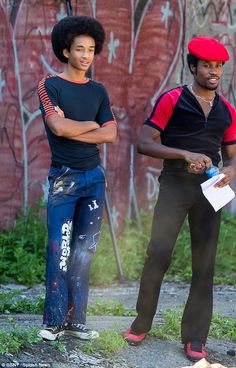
[{"x": 153, "y": 353}]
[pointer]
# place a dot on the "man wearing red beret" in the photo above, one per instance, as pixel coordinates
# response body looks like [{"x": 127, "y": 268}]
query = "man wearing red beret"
[{"x": 192, "y": 128}]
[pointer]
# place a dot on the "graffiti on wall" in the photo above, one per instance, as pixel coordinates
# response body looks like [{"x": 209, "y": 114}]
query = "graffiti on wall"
[
  {"x": 221, "y": 16},
  {"x": 143, "y": 55}
]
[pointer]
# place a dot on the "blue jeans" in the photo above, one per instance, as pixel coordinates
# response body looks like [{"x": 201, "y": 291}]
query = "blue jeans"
[{"x": 74, "y": 215}]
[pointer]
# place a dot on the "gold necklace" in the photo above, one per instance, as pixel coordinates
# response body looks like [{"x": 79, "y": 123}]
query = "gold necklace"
[{"x": 207, "y": 101}]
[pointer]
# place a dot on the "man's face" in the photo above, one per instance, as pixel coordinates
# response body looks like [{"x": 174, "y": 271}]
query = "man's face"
[
  {"x": 81, "y": 53},
  {"x": 207, "y": 74}
]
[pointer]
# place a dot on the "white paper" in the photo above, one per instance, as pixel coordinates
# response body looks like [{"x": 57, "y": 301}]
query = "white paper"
[{"x": 218, "y": 197}]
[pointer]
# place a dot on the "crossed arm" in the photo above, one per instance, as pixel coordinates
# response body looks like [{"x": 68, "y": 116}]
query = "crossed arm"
[{"x": 84, "y": 131}]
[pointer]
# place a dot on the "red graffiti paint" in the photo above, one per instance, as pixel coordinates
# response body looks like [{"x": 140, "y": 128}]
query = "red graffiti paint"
[{"x": 143, "y": 46}]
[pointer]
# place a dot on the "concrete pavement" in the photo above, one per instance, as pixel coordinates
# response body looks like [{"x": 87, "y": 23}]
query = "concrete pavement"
[{"x": 153, "y": 353}]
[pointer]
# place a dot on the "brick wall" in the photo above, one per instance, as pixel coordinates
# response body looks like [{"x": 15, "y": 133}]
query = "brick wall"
[{"x": 144, "y": 54}]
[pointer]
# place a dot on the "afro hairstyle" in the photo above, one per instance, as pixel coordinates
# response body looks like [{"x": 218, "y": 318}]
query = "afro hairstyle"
[{"x": 68, "y": 28}]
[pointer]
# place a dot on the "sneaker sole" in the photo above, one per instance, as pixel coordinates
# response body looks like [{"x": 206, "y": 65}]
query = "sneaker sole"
[
  {"x": 46, "y": 335},
  {"x": 134, "y": 343},
  {"x": 193, "y": 359},
  {"x": 81, "y": 335}
]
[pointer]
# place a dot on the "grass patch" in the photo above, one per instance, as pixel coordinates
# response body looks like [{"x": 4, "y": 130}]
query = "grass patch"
[
  {"x": 225, "y": 269},
  {"x": 132, "y": 248},
  {"x": 221, "y": 327},
  {"x": 15, "y": 302},
  {"x": 109, "y": 308},
  {"x": 170, "y": 329},
  {"x": 20, "y": 338},
  {"x": 17, "y": 339},
  {"x": 58, "y": 345},
  {"x": 22, "y": 249},
  {"x": 109, "y": 342},
  {"x": 22, "y": 252}
]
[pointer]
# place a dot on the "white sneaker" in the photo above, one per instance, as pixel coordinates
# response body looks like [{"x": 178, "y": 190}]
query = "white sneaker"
[
  {"x": 52, "y": 332},
  {"x": 80, "y": 331}
]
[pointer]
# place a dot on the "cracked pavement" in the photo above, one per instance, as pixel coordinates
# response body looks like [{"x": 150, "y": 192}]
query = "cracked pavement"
[{"x": 153, "y": 353}]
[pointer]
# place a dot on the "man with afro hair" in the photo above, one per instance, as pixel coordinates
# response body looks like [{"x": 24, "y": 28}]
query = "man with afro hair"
[{"x": 77, "y": 117}]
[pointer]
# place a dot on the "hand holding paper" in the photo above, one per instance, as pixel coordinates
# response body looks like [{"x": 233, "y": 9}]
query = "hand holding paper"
[{"x": 218, "y": 197}]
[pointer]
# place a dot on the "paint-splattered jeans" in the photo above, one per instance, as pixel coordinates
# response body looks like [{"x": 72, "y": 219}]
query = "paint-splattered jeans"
[{"x": 74, "y": 214}]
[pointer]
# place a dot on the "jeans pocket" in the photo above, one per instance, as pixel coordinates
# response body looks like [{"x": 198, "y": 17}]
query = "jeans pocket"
[{"x": 57, "y": 172}]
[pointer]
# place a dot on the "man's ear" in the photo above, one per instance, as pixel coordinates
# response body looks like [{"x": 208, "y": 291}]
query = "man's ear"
[
  {"x": 66, "y": 53},
  {"x": 193, "y": 69}
]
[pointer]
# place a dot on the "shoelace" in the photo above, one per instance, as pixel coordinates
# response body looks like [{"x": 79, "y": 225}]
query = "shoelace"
[
  {"x": 79, "y": 325},
  {"x": 52, "y": 328}
]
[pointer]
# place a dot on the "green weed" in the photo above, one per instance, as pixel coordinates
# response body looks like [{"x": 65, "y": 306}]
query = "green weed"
[
  {"x": 221, "y": 327},
  {"x": 14, "y": 302},
  {"x": 170, "y": 329},
  {"x": 58, "y": 345},
  {"x": 109, "y": 308},
  {"x": 132, "y": 248},
  {"x": 22, "y": 251},
  {"x": 109, "y": 342},
  {"x": 17, "y": 339},
  {"x": 225, "y": 269}
]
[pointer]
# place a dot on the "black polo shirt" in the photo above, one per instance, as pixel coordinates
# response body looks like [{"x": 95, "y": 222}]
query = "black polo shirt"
[
  {"x": 179, "y": 117},
  {"x": 81, "y": 102}
]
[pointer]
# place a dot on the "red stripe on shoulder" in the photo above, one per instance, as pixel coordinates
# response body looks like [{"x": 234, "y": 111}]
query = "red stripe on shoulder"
[
  {"x": 230, "y": 133},
  {"x": 228, "y": 104},
  {"x": 164, "y": 107}
]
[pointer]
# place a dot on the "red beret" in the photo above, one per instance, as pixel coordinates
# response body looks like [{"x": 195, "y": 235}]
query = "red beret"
[{"x": 207, "y": 48}]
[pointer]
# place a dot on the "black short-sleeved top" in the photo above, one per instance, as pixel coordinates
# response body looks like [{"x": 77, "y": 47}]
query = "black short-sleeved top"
[
  {"x": 81, "y": 102},
  {"x": 179, "y": 117}
]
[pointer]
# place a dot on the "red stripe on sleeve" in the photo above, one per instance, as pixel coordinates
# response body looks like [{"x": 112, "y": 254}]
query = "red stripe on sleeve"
[
  {"x": 48, "y": 106},
  {"x": 109, "y": 123},
  {"x": 230, "y": 133},
  {"x": 164, "y": 107}
]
